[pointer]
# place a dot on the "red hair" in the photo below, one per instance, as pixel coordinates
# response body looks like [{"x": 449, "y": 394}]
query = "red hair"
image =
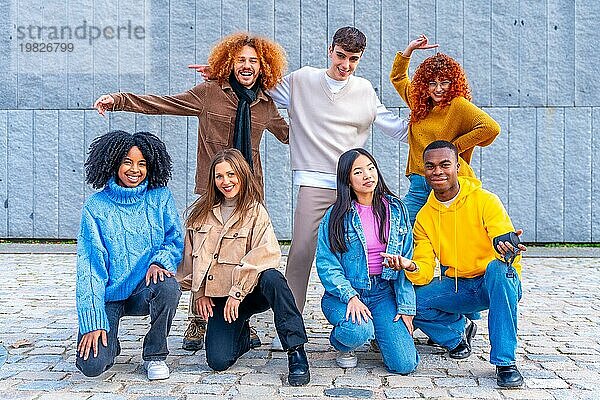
[
  {"x": 271, "y": 56},
  {"x": 441, "y": 67}
]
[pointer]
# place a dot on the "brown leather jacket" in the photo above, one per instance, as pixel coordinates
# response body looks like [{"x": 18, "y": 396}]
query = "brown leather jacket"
[
  {"x": 226, "y": 260},
  {"x": 215, "y": 105}
]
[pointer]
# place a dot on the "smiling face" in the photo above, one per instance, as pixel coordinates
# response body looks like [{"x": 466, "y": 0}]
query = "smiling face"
[
  {"x": 441, "y": 172},
  {"x": 343, "y": 63},
  {"x": 246, "y": 68},
  {"x": 363, "y": 179},
  {"x": 226, "y": 180},
  {"x": 438, "y": 89},
  {"x": 133, "y": 169}
]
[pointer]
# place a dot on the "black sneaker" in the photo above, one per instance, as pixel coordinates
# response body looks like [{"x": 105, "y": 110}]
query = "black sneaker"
[
  {"x": 299, "y": 374},
  {"x": 508, "y": 376},
  {"x": 193, "y": 338}
]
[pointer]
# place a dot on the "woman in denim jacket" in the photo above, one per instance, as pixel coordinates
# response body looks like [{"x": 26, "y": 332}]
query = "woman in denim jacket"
[{"x": 365, "y": 229}]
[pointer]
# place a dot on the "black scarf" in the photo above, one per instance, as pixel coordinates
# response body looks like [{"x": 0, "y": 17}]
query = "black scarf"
[{"x": 242, "y": 133}]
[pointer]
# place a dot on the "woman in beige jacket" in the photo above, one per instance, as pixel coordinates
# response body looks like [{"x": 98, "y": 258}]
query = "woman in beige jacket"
[{"x": 230, "y": 260}]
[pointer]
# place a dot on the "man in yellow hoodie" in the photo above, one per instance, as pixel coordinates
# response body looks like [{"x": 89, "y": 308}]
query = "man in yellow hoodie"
[{"x": 468, "y": 230}]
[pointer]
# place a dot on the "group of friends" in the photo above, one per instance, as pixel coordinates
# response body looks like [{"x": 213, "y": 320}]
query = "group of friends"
[{"x": 376, "y": 254}]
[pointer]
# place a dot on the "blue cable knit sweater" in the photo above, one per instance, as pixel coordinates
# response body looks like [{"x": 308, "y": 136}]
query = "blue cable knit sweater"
[{"x": 123, "y": 231}]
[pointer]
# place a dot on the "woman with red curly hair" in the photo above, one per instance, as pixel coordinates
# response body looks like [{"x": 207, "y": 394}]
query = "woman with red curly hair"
[{"x": 439, "y": 98}]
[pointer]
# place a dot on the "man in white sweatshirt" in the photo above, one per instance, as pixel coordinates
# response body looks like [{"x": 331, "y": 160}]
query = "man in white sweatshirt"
[{"x": 330, "y": 111}]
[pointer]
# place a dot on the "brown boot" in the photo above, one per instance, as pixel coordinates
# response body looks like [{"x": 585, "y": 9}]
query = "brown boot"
[{"x": 193, "y": 338}]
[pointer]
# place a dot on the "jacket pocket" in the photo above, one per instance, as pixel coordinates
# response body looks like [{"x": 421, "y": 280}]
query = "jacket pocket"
[
  {"x": 234, "y": 246},
  {"x": 198, "y": 238},
  {"x": 219, "y": 129}
]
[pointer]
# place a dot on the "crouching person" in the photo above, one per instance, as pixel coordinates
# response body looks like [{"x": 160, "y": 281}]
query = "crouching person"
[
  {"x": 230, "y": 256},
  {"x": 129, "y": 245},
  {"x": 367, "y": 228}
]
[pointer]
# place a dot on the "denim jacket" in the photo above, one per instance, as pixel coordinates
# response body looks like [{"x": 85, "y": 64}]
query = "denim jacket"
[{"x": 343, "y": 273}]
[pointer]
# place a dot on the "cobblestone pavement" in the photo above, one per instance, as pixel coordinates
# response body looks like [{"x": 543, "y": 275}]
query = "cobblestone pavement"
[{"x": 559, "y": 347}]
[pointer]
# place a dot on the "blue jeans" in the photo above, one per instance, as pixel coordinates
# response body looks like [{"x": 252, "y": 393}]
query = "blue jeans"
[
  {"x": 160, "y": 301},
  {"x": 440, "y": 309},
  {"x": 417, "y": 195},
  {"x": 397, "y": 346}
]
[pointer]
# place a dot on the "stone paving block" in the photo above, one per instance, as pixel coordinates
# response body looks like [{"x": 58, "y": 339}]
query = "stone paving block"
[
  {"x": 261, "y": 379},
  {"x": 40, "y": 376},
  {"x": 454, "y": 382},
  {"x": 46, "y": 386},
  {"x": 220, "y": 378},
  {"x": 399, "y": 381},
  {"x": 475, "y": 393},
  {"x": 19, "y": 396},
  {"x": 251, "y": 392},
  {"x": 47, "y": 350},
  {"x": 156, "y": 388},
  {"x": 401, "y": 393},
  {"x": 65, "y": 396},
  {"x": 526, "y": 394},
  {"x": 203, "y": 388},
  {"x": 557, "y": 383},
  {"x": 358, "y": 382},
  {"x": 107, "y": 396},
  {"x": 95, "y": 386},
  {"x": 301, "y": 391}
]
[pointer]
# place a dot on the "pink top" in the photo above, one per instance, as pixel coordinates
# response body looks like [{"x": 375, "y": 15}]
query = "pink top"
[{"x": 371, "y": 231}]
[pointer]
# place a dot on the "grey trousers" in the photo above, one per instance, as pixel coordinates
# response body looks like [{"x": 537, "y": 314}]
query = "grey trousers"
[{"x": 311, "y": 205}]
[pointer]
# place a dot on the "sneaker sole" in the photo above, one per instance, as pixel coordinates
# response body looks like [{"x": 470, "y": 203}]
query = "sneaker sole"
[
  {"x": 347, "y": 364},
  {"x": 158, "y": 377},
  {"x": 192, "y": 345}
]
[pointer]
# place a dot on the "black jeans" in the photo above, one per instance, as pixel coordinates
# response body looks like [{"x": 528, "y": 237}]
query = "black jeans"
[
  {"x": 158, "y": 300},
  {"x": 226, "y": 342}
]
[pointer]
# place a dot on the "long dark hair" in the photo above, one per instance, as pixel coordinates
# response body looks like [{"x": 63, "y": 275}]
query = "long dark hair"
[
  {"x": 345, "y": 195},
  {"x": 108, "y": 151},
  {"x": 249, "y": 194}
]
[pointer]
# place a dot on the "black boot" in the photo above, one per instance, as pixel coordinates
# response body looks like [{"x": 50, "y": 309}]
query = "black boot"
[
  {"x": 508, "y": 376},
  {"x": 299, "y": 375},
  {"x": 463, "y": 350}
]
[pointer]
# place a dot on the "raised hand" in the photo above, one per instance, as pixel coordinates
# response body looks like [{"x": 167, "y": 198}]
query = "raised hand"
[
  {"x": 422, "y": 43},
  {"x": 104, "y": 103}
]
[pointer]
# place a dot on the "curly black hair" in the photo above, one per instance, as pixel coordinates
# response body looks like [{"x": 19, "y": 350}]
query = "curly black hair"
[{"x": 108, "y": 151}]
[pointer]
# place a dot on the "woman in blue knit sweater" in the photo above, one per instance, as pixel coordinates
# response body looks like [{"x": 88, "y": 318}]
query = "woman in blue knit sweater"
[{"x": 129, "y": 245}]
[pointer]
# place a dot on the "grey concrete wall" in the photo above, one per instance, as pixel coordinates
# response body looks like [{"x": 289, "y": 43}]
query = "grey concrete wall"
[{"x": 532, "y": 65}]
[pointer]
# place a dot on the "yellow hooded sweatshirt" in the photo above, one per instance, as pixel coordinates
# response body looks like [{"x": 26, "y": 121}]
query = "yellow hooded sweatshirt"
[{"x": 459, "y": 236}]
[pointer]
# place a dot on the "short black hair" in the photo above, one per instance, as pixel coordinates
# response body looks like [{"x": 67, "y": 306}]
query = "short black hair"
[
  {"x": 108, "y": 151},
  {"x": 350, "y": 39},
  {"x": 441, "y": 144}
]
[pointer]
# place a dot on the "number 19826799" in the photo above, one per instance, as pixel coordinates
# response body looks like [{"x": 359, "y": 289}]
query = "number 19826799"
[{"x": 50, "y": 47}]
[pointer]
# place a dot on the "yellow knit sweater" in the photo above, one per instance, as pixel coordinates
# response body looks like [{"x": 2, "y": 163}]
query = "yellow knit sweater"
[{"x": 461, "y": 122}]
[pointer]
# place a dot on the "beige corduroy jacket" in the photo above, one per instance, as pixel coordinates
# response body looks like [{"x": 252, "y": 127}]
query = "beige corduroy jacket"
[{"x": 226, "y": 259}]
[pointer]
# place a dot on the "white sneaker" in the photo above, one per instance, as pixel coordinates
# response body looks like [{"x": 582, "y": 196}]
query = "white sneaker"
[
  {"x": 276, "y": 344},
  {"x": 156, "y": 370},
  {"x": 346, "y": 360}
]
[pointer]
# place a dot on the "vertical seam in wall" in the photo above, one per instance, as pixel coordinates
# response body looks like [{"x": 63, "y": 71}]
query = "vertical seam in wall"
[
  {"x": 491, "y": 87},
  {"x": 33, "y": 167},
  {"x": 520, "y": 32},
  {"x": 118, "y": 48},
  {"x": 169, "y": 47},
  {"x": 508, "y": 124},
  {"x": 17, "y": 74},
  {"x": 594, "y": 178},
  {"x": 564, "y": 131},
  {"x": 58, "y": 175},
  {"x": 574, "y": 87},
  {"x": 547, "y": 53},
  {"x": 7, "y": 172},
  {"x": 536, "y": 176}
]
